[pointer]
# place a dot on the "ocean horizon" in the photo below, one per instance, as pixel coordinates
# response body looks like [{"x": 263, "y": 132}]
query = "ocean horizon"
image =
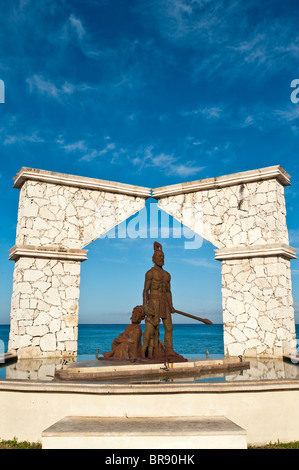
[{"x": 188, "y": 338}]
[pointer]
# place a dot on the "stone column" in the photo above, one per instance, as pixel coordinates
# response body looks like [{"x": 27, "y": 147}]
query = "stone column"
[
  {"x": 258, "y": 313},
  {"x": 44, "y": 307}
]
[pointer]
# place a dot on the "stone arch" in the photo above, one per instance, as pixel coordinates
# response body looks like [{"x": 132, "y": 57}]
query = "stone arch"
[
  {"x": 243, "y": 215},
  {"x": 58, "y": 216}
]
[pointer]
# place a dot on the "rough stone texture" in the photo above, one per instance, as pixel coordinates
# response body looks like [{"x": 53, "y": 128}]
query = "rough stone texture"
[
  {"x": 233, "y": 216},
  {"x": 55, "y": 214},
  {"x": 69, "y": 217},
  {"x": 44, "y": 307},
  {"x": 258, "y": 314}
]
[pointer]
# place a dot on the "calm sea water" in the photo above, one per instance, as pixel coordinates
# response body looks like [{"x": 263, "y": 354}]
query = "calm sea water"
[{"x": 188, "y": 339}]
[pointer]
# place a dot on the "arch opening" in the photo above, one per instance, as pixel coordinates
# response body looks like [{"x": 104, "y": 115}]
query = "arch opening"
[{"x": 112, "y": 280}]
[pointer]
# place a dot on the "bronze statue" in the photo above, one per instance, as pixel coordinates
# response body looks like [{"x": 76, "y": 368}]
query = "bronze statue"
[
  {"x": 127, "y": 346},
  {"x": 157, "y": 304}
]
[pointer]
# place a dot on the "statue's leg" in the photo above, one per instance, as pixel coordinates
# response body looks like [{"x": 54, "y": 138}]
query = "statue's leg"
[
  {"x": 147, "y": 335},
  {"x": 168, "y": 328}
]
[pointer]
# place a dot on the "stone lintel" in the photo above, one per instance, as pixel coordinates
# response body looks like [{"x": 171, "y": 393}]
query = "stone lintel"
[
  {"x": 79, "y": 182},
  {"x": 255, "y": 251},
  {"x": 272, "y": 172},
  {"x": 47, "y": 252}
]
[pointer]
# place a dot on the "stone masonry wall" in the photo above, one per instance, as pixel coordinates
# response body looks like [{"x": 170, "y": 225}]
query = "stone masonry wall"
[
  {"x": 234, "y": 216},
  {"x": 258, "y": 312},
  {"x": 44, "y": 309},
  {"x": 58, "y": 218},
  {"x": 69, "y": 217},
  {"x": 243, "y": 212}
]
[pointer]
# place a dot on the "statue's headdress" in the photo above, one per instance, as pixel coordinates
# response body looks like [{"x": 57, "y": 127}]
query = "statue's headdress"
[{"x": 157, "y": 248}]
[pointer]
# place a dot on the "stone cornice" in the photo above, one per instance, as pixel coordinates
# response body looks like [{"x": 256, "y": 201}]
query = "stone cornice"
[
  {"x": 46, "y": 252},
  {"x": 79, "y": 182},
  {"x": 283, "y": 250},
  {"x": 272, "y": 172}
]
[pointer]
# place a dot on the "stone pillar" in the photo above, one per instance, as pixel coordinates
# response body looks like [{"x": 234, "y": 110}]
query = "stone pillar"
[
  {"x": 58, "y": 216},
  {"x": 44, "y": 307},
  {"x": 258, "y": 313}
]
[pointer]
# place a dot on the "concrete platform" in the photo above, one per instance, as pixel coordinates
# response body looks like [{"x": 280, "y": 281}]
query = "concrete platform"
[
  {"x": 113, "y": 371},
  {"x": 90, "y": 432}
]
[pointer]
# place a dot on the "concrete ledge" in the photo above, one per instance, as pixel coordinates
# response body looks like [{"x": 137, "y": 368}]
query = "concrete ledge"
[
  {"x": 46, "y": 252},
  {"x": 266, "y": 409},
  {"x": 256, "y": 251},
  {"x": 271, "y": 172},
  {"x": 107, "y": 371},
  {"x": 52, "y": 177},
  {"x": 140, "y": 389},
  {"x": 90, "y": 432}
]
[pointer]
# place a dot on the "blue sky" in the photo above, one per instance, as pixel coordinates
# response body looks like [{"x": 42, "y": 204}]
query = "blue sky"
[{"x": 151, "y": 93}]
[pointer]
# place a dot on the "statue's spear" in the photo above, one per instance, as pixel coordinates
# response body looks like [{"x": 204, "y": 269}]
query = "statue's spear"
[{"x": 204, "y": 320}]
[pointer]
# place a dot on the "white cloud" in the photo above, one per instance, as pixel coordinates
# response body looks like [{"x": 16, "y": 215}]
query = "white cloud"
[
  {"x": 77, "y": 26},
  {"x": 43, "y": 86},
  {"x": 207, "y": 112},
  {"x": 46, "y": 87},
  {"x": 80, "y": 145},
  {"x": 94, "y": 153},
  {"x": 21, "y": 138},
  {"x": 87, "y": 152},
  {"x": 201, "y": 262},
  {"x": 231, "y": 39},
  {"x": 167, "y": 163}
]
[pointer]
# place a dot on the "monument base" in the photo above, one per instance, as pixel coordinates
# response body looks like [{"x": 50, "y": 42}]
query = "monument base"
[
  {"x": 104, "y": 370},
  {"x": 162, "y": 359}
]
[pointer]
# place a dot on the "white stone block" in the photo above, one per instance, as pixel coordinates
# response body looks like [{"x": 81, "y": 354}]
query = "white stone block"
[
  {"x": 48, "y": 342},
  {"x": 235, "y": 349},
  {"x": 33, "y": 275},
  {"x": 42, "y": 286},
  {"x": 39, "y": 330},
  {"x": 52, "y": 296},
  {"x": 72, "y": 292},
  {"x": 238, "y": 335},
  {"x": 67, "y": 334},
  {"x": 42, "y": 319},
  {"x": 235, "y": 307}
]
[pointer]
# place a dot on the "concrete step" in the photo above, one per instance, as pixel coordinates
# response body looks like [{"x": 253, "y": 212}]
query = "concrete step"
[{"x": 92, "y": 432}]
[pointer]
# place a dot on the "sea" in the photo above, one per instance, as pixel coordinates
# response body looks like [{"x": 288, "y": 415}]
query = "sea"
[{"x": 188, "y": 339}]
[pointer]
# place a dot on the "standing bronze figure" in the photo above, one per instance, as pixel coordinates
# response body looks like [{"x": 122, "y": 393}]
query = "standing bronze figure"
[{"x": 157, "y": 305}]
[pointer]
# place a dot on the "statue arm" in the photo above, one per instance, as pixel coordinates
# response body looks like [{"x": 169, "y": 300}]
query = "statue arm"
[
  {"x": 169, "y": 296},
  {"x": 147, "y": 286}
]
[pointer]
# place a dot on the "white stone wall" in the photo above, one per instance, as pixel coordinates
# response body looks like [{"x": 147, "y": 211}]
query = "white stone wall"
[
  {"x": 44, "y": 309},
  {"x": 258, "y": 312},
  {"x": 60, "y": 213},
  {"x": 59, "y": 218},
  {"x": 234, "y": 216},
  {"x": 69, "y": 217}
]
